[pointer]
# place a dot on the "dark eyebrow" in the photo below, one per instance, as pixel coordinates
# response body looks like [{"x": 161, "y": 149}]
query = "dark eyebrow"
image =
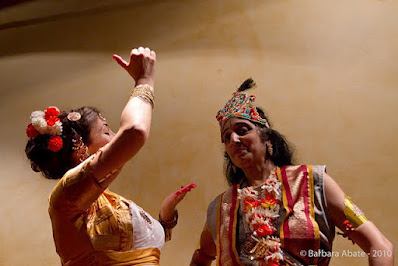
[{"x": 236, "y": 124}]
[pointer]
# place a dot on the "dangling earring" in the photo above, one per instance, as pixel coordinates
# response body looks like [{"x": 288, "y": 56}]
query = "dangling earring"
[
  {"x": 80, "y": 148},
  {"x": 270, "y": 149},
  {"x": 234, "y": 169}
]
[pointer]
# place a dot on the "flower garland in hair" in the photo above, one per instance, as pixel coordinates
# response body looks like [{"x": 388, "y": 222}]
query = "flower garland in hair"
[
  {"x": 46, "y": 122},
  {"x": 260, "y": 209}
]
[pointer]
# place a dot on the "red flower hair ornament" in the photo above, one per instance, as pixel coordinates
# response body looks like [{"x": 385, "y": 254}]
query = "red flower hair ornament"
[
  {"x": 46, "y": 122},
  {"x": 55, "y": 143},
  {"x": 31, "y": 131}
]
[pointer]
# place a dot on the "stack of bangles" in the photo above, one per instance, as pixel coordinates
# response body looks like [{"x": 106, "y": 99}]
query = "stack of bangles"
[{"x": 145, "y": 92}]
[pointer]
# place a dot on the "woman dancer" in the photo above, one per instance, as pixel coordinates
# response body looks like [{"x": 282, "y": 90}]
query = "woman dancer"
[{"x": 91, "y": 225}]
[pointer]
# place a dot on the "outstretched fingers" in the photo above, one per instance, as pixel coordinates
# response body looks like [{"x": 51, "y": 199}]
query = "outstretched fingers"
[
  {"x": 120, "y": 61},
  {"x": 185, "y": 189}
]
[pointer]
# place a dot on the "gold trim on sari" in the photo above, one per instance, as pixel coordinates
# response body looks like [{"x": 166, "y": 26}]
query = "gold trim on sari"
[
  {"x": 299, "y": 230},
  {"x": 227, "y": 254}
]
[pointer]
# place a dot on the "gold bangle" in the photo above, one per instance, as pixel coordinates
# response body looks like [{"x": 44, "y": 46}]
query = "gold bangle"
[{"x": 144, "y": 92}]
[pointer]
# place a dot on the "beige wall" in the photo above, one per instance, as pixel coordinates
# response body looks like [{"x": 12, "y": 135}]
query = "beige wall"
[{"x": 327, "y": 73}]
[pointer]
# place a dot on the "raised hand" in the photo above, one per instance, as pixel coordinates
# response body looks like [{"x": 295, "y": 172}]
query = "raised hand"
[
  {"x": 141, "y": 65},
  {"x": 170, "y": 202}
]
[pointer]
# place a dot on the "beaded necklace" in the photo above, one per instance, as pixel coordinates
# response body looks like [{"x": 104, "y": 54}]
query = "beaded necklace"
[{"x": 260, "y": 210}]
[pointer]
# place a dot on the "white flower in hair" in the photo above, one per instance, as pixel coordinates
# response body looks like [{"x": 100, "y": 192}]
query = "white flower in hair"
[
  {"x": 56, "y": 129},
  {"x": 37, "y": 114},
  {"x": 40, "y": 124}
]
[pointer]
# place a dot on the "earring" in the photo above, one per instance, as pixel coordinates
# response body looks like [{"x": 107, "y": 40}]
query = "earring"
[
  {"x": 80, "y": 148},
  {"x": 270, "y": 149},
  {"x": 234, "y": 169}
]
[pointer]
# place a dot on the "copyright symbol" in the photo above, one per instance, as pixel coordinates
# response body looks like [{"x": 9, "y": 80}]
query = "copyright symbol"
[{"x": 303, "y": 253}]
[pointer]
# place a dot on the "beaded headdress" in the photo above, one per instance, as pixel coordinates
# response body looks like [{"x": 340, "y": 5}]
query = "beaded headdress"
[{"x": 241, "y": 105}]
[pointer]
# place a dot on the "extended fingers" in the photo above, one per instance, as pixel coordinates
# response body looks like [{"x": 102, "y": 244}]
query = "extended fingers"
[
  {"x": 120, "y": 61},
  {"x": 185, "y": 189},
  {"x": 192, "y": 186},
  {"x": 134, "y": 52},
  {"x": 189, "y": 187}
]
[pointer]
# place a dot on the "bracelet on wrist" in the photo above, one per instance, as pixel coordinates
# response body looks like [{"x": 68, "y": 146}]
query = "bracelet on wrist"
[
  {"x": 144, "y": 92},
  {"x": 171, "y": 224}
]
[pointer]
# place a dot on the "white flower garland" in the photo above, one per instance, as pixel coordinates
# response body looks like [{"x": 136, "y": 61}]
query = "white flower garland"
[{"x": 260, "y": 210}]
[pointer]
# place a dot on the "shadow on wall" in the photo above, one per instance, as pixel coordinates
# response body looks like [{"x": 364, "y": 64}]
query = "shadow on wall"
[
  {"x": 78, "y": 10},
  {"x": 9, "y": 3},
  {"x": 161, "y": 24}
]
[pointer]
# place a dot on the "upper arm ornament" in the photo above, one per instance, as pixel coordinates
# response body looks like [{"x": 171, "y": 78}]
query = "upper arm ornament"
[{"x": 354, "y": 216}]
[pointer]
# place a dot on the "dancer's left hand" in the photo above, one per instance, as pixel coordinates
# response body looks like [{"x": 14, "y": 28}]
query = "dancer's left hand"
[{"x": 170, "y": 202}]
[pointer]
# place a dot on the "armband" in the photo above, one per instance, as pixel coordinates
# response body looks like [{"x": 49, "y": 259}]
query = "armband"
[{"x": 354, "y": 216}]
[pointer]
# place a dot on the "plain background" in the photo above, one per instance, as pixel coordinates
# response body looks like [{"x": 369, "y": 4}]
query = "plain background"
[{"x": 327, "y": 75}]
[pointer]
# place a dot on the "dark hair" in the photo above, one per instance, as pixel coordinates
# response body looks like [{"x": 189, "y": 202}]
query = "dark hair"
[
  {"x": 54, "y": 165},
  {"x": 282, "y": 150}
]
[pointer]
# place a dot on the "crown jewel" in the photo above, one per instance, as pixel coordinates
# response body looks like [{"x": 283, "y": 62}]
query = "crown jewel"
[{"x": 240, "y": 105}]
